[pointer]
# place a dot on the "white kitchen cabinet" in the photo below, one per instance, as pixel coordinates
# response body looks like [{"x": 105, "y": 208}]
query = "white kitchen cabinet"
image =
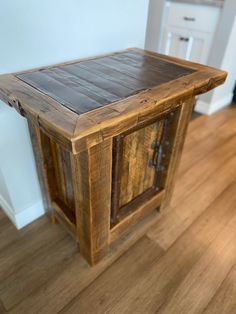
[{"x": 188, "y": 30}]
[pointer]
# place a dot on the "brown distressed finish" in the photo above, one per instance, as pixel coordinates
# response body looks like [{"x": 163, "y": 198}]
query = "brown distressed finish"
[
  {"x": 142, "y": 209},
  {"x": 141, "y": 158},
  {"x": 177, "y": 147},
  {"x": 92, "y": 182},
  {"x": 137, "y": 153},
  {"x": 42, "y": 174},
  {"x": 122, "y": 76},
  {"x": 107, "y": 135},
  {"x": 77, "y": 133}
]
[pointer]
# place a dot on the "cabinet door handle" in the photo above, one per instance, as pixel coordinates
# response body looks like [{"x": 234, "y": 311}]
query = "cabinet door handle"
[
  {"x": 155, "y": 162},
  {"x": 189, "y": 19},
  {"x": 184, "y": 39}
]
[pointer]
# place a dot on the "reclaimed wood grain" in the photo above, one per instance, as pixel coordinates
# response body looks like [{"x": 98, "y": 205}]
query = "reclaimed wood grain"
[
  {"x": 126, "y": 77},
  {"x": 92, "y": 182},
  {"x": 137, "y": 152},
  {"x": 178, "y": 139},
  {"x": 63, "y": 125}
]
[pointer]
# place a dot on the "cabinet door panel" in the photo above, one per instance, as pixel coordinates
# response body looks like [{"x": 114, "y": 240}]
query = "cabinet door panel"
[
  {"x": 137, "y": 175},
  {"x": 140, "y": 162},
  {"x": 200, "y": 47},
  {"x": 177, "y": 43},
  {"x": 193, "y": 46}
]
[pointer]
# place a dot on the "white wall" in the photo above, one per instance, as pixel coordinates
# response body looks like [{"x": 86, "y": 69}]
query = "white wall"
[
  {"x": 20, "y": 194},
  {"x": 154, "y": 31},
  {"x": 41, "y": 32}
]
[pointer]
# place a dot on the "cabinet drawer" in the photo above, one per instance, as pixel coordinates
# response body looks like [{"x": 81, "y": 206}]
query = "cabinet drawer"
[{"x": 192, "y": 16}]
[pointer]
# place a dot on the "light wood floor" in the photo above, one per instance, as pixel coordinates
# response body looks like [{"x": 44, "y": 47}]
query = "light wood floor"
[{"x": 185, "y": 264}]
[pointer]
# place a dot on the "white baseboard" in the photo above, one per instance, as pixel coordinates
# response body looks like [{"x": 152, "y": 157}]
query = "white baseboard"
[
  {"x": 210, "y": 108},
  {"x": 26, "y": 216}
]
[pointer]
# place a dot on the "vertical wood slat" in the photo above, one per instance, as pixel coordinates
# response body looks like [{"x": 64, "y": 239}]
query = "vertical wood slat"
[
  {"x": 63, "y": 175},
  {"x": 37, "y": 142},
  {"x": 137, "y": 151},
  {"x": 179, "y": 138},
  {"x": 92, "y": 170}
]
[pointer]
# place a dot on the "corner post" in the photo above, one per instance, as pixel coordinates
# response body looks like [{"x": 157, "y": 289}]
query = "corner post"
[
  {"x": 179, "y": 139},
  {"x": 92, "y": 171}
]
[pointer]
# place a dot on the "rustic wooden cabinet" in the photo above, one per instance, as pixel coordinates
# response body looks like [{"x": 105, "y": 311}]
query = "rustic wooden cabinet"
[{"x": 107, "y": 135}]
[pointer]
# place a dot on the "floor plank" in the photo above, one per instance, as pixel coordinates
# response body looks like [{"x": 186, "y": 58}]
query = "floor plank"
[
  {"x": 115, "y": 282},
  {"x": 206, "y": 134},
  {"x": 206, "y": 276},
  {"x": 44, "y": 265},
  {"x": 224, "y": 300},
  {"x": 15, "y": 255},
  {"x": 2, "y": 309},
  {"x": 203, "y": 167},
  {"x": 9, "y": 234}
]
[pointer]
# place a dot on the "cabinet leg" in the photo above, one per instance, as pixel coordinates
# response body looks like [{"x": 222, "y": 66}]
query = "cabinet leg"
[
  {"x": 53, "y": 218},
  {"x": 37, "y": 144}
]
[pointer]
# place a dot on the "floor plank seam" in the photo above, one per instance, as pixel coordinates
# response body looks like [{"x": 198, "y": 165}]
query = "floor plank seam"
[
  {"x": 34, "y": 292},
  {"x": 195, "y": 263},
  {"x": 97, "y": 277},
  {"x": 231, "y": 157},
  {"x": 219, "y": 288},
  {"x": 199, "y": 216},
  {"x": 203, "y": 157}
]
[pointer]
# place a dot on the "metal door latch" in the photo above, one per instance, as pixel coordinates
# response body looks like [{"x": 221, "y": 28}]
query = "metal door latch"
[{"x": 155, "y": 162}]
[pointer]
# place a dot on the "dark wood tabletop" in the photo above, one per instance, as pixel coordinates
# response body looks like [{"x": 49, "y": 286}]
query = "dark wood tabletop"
[
  {"x": 87, "y": 85},
  {"x": 80, "y": 103}
]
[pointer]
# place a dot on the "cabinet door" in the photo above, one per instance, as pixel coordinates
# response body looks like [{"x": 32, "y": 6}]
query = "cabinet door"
[
  {"x": 193, "y": 46},
  {"x": 177, "y": 43},
  {"x": 201, "y": 43},
  {"x": 140, "y": 161}
]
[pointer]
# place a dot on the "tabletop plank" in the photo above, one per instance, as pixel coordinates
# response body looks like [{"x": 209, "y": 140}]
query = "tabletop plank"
[{"x": 81, "y": 86}]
